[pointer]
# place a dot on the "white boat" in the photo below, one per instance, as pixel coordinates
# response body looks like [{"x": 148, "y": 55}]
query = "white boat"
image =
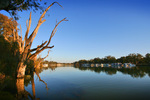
[
  {"x": 92, "y": 65},
  {"x": 97, "y": 65},
  {"x": 45, "y": 65}
]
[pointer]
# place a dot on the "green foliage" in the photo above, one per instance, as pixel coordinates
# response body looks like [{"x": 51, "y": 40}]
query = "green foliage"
[
  {"x": 109, "y": 59},
  {"x": 147, "y": 58},
  {"x": 8, "y": 88},
  {"x": 30, "y": 67},
  {"x": 45, "y": 62},
  {"x": 7, "y": 26},
  {"x": 9, "y": 58},
  {"x": 12, "y": 6},
  {"x": 6, "y": 96},
  {"x": 27, "y": 79},
  {"x": 9, "y": 51}
]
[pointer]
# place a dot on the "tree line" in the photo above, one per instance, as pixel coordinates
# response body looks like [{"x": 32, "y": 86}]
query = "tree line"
[{"x": 133, "y": 58}]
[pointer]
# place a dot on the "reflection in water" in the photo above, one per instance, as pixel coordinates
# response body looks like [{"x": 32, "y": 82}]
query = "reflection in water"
[
  {"x": 11, "y": 91},
  {"x": 135, "y": 72},
  {"x": 68, "y": 84},
  {"x": 33, "y": 86},
  {"x": 21, "y": 92},
  {"x": 41, "y": 80}
]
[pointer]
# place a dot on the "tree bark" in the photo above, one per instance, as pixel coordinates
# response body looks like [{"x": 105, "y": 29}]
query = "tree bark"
[
  {"x": 25, "y": 45},
  {"x": 21, "y": 70}
]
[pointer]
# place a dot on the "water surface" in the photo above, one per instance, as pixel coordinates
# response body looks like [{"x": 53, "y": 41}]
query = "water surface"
[{"x": 70, "y": 83}]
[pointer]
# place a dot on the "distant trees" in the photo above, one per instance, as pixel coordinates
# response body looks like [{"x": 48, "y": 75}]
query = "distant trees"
[
  {"x": 137, "y": 59},
  {"x": 96, "y": 60},
  {"x": 132, "y": 58},
  {"x": 147, "y": 58},
  {"x": 109, "y": 59}
]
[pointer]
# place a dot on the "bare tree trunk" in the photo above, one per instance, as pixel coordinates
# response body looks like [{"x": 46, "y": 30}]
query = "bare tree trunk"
[
  {"x": 21, "y": 66},
  {"x": 22, "y": 94},
  {"x": 21, "y": 70},
  {"x": 25, "y": 45}
]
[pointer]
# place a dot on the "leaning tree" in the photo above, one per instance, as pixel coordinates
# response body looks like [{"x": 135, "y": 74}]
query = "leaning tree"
[{"x": 26, "y": 52}]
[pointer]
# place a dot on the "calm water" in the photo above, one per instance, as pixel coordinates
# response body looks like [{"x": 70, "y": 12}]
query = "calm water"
[{"x": 69, "y": 83}]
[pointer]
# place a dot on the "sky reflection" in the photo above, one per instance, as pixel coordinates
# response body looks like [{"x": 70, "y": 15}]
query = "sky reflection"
[{"x": 72, "y": 83}]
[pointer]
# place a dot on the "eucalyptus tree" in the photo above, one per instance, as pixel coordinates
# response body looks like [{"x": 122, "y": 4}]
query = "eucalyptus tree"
[
  {"x": 25, "y": 50},
  {"x": 25, "y": 45}
]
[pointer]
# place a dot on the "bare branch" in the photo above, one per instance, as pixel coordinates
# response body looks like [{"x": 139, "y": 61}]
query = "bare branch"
[
  {"x": 27, "y": 43},
  {"x": 14, "y": 35},
  {"x": 27, "y": 23},
  {"x": 46, "y": 55},
  {"x": 36, "y": 53},
  {"x": 32, "y": 36},
  {"x": 39, "y": 51},
  {"x": 28, "y": 28},
  {"x": 6, "y": 39},
  {"x": 46, "y": 47},
  {"x": 21, "y": 31},
  {"x": 54, "y": 30},
  {"x": 40, "y": 46},
  {"x": 16, "y": 32},
  {"x": 21, "y": 41},
  {"x": 43, "y": 20},
  {"x": 51, "y": 47}
]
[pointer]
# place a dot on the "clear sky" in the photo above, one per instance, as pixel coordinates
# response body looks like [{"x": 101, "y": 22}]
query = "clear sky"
[{"x": 96, "y": 28}]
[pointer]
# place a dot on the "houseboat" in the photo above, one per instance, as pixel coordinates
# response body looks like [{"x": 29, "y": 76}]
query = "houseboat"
[
  {"x": 86, "y": 65},
  {"x": 92, "y": 65},
  {"x": 97, "y": 65},
  {"x": 128, "y": 65},
  {"x": 45, "y": 65}
]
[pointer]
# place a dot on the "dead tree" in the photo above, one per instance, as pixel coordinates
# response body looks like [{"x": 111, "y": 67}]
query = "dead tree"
[
  {"x": 39, "y": 61},
  {"x": 25, "y": 45}
]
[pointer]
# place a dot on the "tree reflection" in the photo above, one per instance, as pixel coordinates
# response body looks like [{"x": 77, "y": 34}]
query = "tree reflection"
[
  {"x": 41, "y": 80},
  {"x": 21, "y": 92},
  {"x": 14, "y": 89},
  {"x": 33, "y": 86},
  {"x": 135, "y": 72}
]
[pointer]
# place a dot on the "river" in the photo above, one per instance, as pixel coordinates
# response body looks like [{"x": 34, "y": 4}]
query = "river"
[{"x": 70, "y": 83}]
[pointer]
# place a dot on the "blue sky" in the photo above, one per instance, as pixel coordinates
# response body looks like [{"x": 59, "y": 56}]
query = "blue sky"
[{"x": 96, "y": 28}]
